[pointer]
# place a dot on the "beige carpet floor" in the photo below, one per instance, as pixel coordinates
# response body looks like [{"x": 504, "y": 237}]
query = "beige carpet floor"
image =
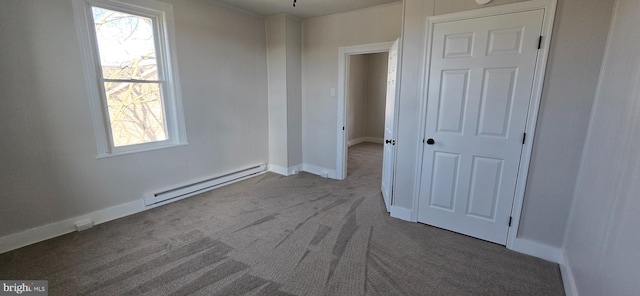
[{"x": 275, "y": 235}]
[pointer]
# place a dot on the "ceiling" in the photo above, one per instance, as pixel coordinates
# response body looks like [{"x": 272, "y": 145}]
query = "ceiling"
[{"x": 304, "y": 8}]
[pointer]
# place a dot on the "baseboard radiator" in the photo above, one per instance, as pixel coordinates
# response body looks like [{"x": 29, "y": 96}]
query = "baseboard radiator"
[{"x": 152, "y": 200}]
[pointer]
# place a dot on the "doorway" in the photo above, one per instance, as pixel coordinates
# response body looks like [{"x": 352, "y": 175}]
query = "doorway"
[
  {"x": 366, "y": 95},
  {"x": 348, "y": 57}
]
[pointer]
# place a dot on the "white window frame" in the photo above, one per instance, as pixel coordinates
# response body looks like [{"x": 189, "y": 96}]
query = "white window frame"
[{"x": 164, "y": 34}]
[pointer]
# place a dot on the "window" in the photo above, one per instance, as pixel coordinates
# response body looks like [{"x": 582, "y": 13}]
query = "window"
[{"x": 134, "y": 87}]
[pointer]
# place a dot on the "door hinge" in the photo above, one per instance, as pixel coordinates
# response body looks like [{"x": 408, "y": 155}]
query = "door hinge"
[
  {"x": 510, "y": 219},
  {"x": 524, "y": 138},
  {"x": 540, "y": 43}
]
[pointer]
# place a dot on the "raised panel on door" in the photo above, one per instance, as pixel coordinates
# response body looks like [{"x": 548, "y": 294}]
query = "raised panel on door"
[
  {"x": 452, "y": 100},
  {"x": 486, "y": 175},
  {"x": 505, "y": 41},
  {"x": 458, "y": 45},
  {"x": 496, "y": 101},
  {"x": 478, "y": 93},
  {"x": 444, "y": 180}
]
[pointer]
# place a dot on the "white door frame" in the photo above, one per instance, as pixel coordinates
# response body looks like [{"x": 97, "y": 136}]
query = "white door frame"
[
  {"x": 549, "y": 7},
  {"x": 344, "y": 54}
]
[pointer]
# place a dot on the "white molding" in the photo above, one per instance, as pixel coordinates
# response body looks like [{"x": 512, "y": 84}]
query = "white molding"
[
  {"x": 422, "y": 91},
  {"x": 355, "y": 142},
  {"x": 569, "y": 282},
  {"x": 169, "y": 145},
  {"x": 374, "y": 140},
  {"x": 320, "y": 171},
  {"x": 549, "y": 7},
  {"x": 552, "y": 254},
  {"x": 343, "y": 68},
  {"x": 539, "y": 250},
  {"x": 89, "y": 69},
  {"x": 365, "y": 140},
  {"x": 278, "y": 170},
  {"x": 292, "y": 170},
  {"x": 45, "y": 232},
  {"x": 401, "y": 213}
]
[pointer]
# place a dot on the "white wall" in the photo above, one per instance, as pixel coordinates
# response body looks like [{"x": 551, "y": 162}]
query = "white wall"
[
  {"x": 284, "y": 58},
  {"x": 322, "y": 36},
  {"x": 573, "y": 68},
  {"x": 376, "y": 94},
  {"x": 276, "y": 28},
  {"x": 294, "y": 90},
  {"x": 284, "y": 55},
  {"x": 580, "y": 35},
  {"x": 602, "y": 240},
  {"x": 48, "y": 164},
  {"x": 357, "y": 97}
]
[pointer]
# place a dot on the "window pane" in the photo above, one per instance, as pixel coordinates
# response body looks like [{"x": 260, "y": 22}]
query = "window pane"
[
  {"x": 135, "y": 113},
  {"x": 126, "y": 45}
]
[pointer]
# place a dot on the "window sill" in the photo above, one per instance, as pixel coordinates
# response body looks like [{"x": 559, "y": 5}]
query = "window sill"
[{"x": 120, "y": 153}]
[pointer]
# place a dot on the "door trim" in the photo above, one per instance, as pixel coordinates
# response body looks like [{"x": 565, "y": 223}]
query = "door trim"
[
  {"x": 549, "y": 7},
  {"x": 344, "y": 54}
]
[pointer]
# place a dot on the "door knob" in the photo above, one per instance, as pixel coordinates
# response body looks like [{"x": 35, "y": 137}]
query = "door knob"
[
  {"x": 430, "y": 141},
  {"x": 388, "y": 141}
]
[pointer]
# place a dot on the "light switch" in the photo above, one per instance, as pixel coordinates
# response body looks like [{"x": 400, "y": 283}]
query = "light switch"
[{"x": 333, "y": 92}]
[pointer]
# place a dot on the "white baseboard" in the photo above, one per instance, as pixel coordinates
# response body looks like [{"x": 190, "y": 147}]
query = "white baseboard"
[
  {"x": 365, "y": 139},
  {"x": 401, "y": 213},
  {"x": 553, "y": 254},
  {"x": 45, "y": 232},
  {"x": 355, "y": 142},
  {"x": 540, "y": 250},
  {"x": 320, "y": 171},
  {"x": 285, "y": 171},
  {"x": 374, "y": 140},
  {"x": 568, "y": 280},
  {"x": 293, "y": 170},
  {"x": 309, "y": 168},
  {"x": 278, "y": 170}
]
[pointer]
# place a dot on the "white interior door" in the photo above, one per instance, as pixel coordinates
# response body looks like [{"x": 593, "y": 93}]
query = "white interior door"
[
  {"x": 479, "y": 89},
  {"x": 388, "y": 157}
]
